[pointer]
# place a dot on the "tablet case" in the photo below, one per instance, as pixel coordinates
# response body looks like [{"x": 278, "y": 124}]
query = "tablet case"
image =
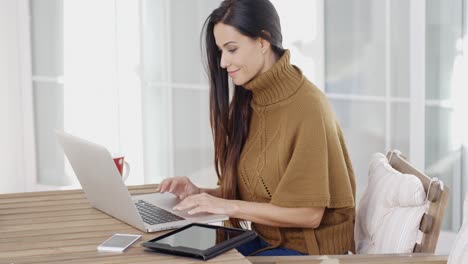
[{"x": 209, "y": 253}]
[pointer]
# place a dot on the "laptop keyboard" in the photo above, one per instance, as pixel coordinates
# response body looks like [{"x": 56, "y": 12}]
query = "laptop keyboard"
[{"x": 152, "y": 214}]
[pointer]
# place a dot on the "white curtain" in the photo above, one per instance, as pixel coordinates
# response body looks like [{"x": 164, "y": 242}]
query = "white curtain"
[
  {"x": 10, "y": 100},
  {"x": 16, "y": 122}
]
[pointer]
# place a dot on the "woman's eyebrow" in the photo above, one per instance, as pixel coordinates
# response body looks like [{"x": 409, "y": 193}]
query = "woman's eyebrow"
[{"x": 229, "y": 42}]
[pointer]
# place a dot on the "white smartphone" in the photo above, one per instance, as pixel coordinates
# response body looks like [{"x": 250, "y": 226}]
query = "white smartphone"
[{"x": 118, "y": 243}]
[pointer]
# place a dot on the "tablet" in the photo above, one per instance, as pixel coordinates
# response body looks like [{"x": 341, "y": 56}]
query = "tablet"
[{"x": 200, "y": 241}]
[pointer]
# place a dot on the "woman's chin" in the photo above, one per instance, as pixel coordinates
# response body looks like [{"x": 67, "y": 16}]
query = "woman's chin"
[{"x": 238, "y": 81}]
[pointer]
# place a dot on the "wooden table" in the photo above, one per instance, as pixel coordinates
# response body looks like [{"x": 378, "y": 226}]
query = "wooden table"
[
  {"x": 417, "y": 258},
  {"x": 60, "y": 226}
]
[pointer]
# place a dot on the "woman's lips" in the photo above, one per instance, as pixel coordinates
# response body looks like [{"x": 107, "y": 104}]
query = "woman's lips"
[{"x": 231, "y": 73}]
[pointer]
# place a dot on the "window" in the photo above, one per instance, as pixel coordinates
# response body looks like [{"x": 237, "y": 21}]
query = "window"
[
  {"x": 86, "y": 80},
  {"x": 393, "y": 75},
  {"x": 128, "y": 75}
]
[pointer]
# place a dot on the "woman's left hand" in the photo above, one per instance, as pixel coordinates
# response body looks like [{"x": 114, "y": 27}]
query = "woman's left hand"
[{"x": 205, "y": 203}]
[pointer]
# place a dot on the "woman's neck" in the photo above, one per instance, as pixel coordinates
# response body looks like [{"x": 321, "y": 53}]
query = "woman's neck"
[{"x": 270, "y": 59}]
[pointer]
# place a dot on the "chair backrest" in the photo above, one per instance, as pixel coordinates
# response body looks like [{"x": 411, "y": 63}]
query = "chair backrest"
[
  {"x": 390, "y": 210},
  {"x": 437, "y": 196}
]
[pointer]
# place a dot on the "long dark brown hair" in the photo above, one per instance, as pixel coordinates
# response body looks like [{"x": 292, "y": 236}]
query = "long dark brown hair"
[{"x": 230, "y": 118}]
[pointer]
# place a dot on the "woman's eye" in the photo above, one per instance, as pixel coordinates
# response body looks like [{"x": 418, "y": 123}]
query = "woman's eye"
[{"x": 232, "y": 50}]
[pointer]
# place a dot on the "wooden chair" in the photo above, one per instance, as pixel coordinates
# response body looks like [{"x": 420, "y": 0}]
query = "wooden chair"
[{"x": 437, "y": 196}]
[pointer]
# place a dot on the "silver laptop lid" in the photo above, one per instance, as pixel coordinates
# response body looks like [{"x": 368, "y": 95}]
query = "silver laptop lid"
[{"x": 100, "y": 179}]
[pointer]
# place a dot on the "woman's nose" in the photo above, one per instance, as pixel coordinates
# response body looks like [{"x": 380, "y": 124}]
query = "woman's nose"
[{"x": 223, "y": 62}]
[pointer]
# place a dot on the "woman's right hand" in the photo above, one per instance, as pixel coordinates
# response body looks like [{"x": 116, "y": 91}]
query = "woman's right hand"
[{"x": 180, "y": 186}]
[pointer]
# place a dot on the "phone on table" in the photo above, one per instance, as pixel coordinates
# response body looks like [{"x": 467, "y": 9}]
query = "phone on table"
[{"x": 118, "y": 243}]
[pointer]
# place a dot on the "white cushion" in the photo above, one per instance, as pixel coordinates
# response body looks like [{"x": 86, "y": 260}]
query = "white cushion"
[
  {"x": 390, "y": 210},
  {"x": 459, "y": 252}
]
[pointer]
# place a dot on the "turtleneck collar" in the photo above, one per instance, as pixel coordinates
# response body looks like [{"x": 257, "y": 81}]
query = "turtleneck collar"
[{"x": 280, "y": 82}]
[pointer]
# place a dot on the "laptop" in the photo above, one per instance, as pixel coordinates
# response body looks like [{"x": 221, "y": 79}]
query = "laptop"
[{"x": 105, "y": 190}]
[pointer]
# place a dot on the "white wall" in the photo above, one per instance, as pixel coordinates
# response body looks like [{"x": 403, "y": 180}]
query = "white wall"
[{"x": 16, "y": 148}]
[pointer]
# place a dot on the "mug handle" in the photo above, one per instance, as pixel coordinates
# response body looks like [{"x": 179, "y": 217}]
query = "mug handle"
[{"x": 126, "y": 171}]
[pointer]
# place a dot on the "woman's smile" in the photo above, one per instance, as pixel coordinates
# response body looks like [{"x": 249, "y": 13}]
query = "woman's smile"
[{"x": 232, "y": 72}]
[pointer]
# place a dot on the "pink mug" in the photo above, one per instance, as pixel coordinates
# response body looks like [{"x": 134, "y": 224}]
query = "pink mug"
[{"x": 120, "y": 163}]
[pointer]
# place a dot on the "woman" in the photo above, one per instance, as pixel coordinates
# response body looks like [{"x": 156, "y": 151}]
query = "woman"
[{"x": 280, "y": 155}]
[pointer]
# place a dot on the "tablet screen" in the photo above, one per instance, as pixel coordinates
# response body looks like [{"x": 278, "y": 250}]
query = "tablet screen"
[{"x": 200, "y": 238}]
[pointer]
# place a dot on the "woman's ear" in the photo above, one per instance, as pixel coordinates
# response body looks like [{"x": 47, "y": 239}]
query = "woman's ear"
[
  {"x": 264, "y": 40},
  {"x": 264, "y": 45}
]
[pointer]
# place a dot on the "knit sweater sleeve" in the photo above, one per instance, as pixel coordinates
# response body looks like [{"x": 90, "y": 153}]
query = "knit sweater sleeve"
[{"x": 317, "y": 174}]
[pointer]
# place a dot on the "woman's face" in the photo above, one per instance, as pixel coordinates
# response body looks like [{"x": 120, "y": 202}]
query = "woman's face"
[{"x": 242, "y": 56}]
